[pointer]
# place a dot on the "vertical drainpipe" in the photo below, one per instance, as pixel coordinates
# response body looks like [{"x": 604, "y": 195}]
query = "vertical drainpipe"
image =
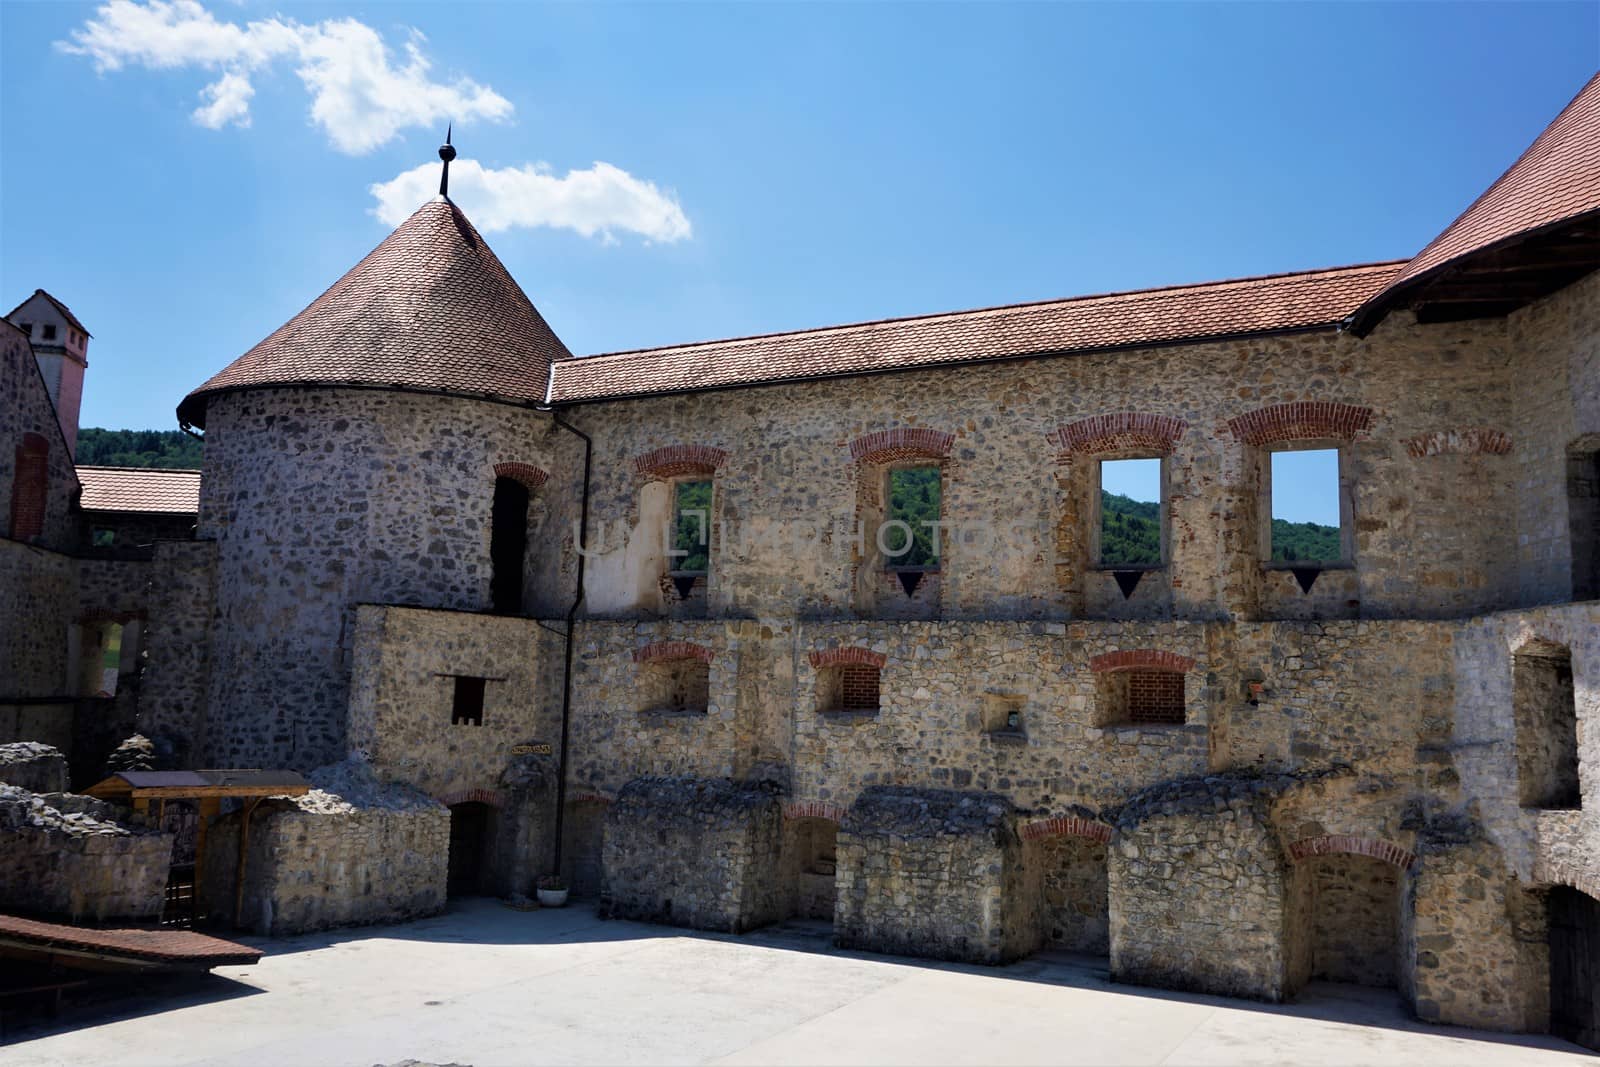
[{"x": 572, "y": 614}]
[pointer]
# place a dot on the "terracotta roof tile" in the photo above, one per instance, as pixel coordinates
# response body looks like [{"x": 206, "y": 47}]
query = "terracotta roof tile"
[
  {"x": 151, "y": 490},
  {"x": 1556, "y": 179},
  {"x": 1083, "y": 324},
  {"x": 431, "y": 308},
  {"x": 153, "y": 946}
]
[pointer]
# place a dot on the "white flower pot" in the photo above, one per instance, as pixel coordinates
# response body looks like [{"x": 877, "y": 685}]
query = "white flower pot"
[{"x": 551, "y": 898}]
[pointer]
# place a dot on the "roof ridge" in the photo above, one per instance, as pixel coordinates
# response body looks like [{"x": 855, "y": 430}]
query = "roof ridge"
[
  {"x": 926, "y": 316},
  {"x": 114, "y": 467}
]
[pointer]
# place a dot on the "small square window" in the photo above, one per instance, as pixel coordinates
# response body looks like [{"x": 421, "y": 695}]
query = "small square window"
[
  {"x": 910, "y": 534},
  {"x": 1130, "y": 513},
  {"x": 1002, "y": 713},
  {"x": 1306, "y": 521},
  {"x": 49, "y": 331},
  {"x": 103, "y": 537},
  {"x": 26, "y": 327},
  {"x": 467, "y": 707}
]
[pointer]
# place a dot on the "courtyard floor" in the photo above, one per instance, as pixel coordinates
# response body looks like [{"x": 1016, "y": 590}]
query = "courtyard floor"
[{"x": 485, "y": 985}]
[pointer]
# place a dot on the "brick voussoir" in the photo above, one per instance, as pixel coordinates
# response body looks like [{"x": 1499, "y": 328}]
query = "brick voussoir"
[
  {"x": 1351, "y": 845},
  {"x": 902, "y": 442},
  {"x": 1141, "y": 659},
  {"x": 836, "y": 657},
  {"x": 658, "y": 651},
  {"x": 1121, "y": 431},
  {"x": 1305, "y": 420},
  {"x": 672, "y": 461}
]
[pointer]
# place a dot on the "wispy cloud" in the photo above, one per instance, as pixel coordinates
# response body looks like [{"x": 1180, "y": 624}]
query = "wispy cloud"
[
  {"x": 360, "y": 95},
  {"x": 598, "y": 202}
]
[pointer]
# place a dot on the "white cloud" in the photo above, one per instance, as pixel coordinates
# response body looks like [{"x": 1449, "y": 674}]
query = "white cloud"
[
  {"x": 597, "y": 202},
  {"x": 359, "y": 96},
  {"x": 227, "y": 100}
]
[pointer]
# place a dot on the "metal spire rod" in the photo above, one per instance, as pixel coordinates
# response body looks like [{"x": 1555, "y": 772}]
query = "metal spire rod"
[{"x": 446, "y": 152}]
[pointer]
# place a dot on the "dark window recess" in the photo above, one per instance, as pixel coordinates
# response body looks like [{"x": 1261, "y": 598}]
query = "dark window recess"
[
  {"x": 1583, "y": 516},
  {"x": 467, "y": 707},
  {"x": 49, "y": 331},
  {"x": 104, "y": 537},
  {"x": 508, "y": 545},
  {"x": 26, "y": 327}
]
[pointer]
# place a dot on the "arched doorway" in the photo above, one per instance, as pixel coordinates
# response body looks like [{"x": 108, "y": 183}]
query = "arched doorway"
[
  {"x": 1575, "y": 966},
  {"x": 1351, "y": 919},
  {"x": 813, "y": 846},
  {"x": 470, "y": 825}
]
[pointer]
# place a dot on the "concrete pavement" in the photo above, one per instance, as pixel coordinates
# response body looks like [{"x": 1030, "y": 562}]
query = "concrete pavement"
[{"x": 488, "y": 986}]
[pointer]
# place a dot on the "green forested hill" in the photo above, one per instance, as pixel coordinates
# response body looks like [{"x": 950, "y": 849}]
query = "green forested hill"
[
  {"x": 136, "y": 448},
  {"x": 1130, "y": 533}
]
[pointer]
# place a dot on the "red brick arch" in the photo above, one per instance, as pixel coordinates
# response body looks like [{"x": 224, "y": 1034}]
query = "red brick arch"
[
  {"x": 673, "y": 461},
  {"x": 1120, "y": 431},
  {"x": 526, "y": 473},
  {"x": 588, "y": 796},
  {"x": 1350, "y": 845},
  {"x": 492, "y": 797},
  {"x": 1066, "y": 826},
  {"x": 837, "y": 657},
  {"x": 813, "y": 809},
  {"x": 1469, "y": 441},
  {"x": 901, "y": 443},
  {"x": 1141, "y": 659},
  {"x": 657, "y": 651},
  {"x": 1305, "y": 420},
  {"x": 30, "y": 487}
]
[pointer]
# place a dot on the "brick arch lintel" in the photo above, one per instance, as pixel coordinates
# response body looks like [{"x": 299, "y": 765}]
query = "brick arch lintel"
[
  {"x": 673, "y": 461},
  {"x": 900, "y": 443},
  {"x": 492, "y": 797},
  {"x": 1146, "y": 659},
  {"x": 660, "y": 651},
  {"x": 1066, "y": 826},
  {"x": 1118, "y": 431},
  {"x": 835, "y": 657},
  {"x": 530, "y": 476},
  {"x": 1303, "y": 420},
  {"x": 1351, "y": 845},
  {"x": 813, "y": 809},
  {"x": 1467, "y": 441},
  {"x": 588, "y": 796}
]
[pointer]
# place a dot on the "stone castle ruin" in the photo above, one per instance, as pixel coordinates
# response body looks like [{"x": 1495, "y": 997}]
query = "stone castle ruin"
[{"x": 650, "y": 618}]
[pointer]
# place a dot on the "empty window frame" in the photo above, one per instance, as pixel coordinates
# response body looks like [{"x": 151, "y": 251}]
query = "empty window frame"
[
  {"x": 1129, "y": 531},
  {"x": 1583, "y": 516},
  {"x": 466, "y": 706},
  {"x": 1544, "y": 705},
  {"x": 1307, "y": 508},
  {"x": 691, "y": 528},
  {"x": 910, "y": 535},
  {"x": 49, "y": 331},
  {"x": 508, "y": 545},
  {"x": 681, "y": 686}
]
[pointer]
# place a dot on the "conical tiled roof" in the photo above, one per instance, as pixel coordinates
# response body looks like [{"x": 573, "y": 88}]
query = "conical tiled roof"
[{"x": 430, "y": 309}]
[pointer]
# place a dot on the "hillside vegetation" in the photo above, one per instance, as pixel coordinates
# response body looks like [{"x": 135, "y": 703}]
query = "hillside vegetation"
[
  {"x": 1130, "y": 535},
  {"x": 136, "y": 448}
]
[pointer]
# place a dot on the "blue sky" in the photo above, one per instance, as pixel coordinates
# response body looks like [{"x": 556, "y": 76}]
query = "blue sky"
[{"x": 719, "y": 170}]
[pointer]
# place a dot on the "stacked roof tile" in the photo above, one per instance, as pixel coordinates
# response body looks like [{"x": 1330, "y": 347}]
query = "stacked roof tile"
[
  {"x": 1116, "y": 320},
  {"x": 430, "y": 309},
  {"x": 149, "y": 490}
]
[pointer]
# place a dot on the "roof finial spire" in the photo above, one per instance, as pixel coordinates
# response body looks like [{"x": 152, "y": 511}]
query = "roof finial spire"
[{"x": 447, "y": 152}]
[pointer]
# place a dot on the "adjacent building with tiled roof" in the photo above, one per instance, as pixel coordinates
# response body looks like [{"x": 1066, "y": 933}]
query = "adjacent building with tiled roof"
[{"x": 147, "y": 490}]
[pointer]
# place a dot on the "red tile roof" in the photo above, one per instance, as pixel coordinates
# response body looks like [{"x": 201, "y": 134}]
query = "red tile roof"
[
  {"x": 179, "y": 947},
  {"x": 1557, "y": 179},
  {"x": 1269, "y": 304},
  {"x": 144, "y": 489},
  {"x": 430, "y": 309}
]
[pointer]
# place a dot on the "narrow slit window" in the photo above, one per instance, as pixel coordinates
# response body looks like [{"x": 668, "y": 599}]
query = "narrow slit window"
[
  {"x": 466, "y": 709},
  {"x": 691, "y": 528},
  {"x": 1130, "y": 513},
  {"x": 1305, "y": 507},
  {"x": 910, "y": 534}
]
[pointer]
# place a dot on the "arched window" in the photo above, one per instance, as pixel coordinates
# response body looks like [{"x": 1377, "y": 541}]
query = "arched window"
[
  {"x": 30, "y": 487},
  {"x": 508, "y": 545}
]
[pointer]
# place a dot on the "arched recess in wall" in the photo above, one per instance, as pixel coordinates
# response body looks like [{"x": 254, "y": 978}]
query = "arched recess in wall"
[
  {"x": 1347, "y": 910},
  {"x": 678, "y": 510},
  {"x": 674, "y": 677},
  {"x": 810, "y": 857},
  {"x": 1545, "y": 712},
  {"x": 30, "y": 487},
  {"x": 1143, "y": 687},
  {"x": 900, "y": 557},
  {"x": 1069, "y": 857},
  {"x": 514, "y": 486}
]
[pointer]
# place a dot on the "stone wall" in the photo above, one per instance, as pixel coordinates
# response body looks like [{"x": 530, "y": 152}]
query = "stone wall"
[
  {"x": 83, "y": 860},
  {"x": 350, "y": 852},
  {"x": 25, "y": 408},
  {"x": 323, "y": 499},
  {"x": 178, "y": 639},
  {"x": 32, "y": 766},
  {"x": 701, "y": 853},
  {"x": 38, "y": 593},
  {"x": 933, "y": 873}
]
